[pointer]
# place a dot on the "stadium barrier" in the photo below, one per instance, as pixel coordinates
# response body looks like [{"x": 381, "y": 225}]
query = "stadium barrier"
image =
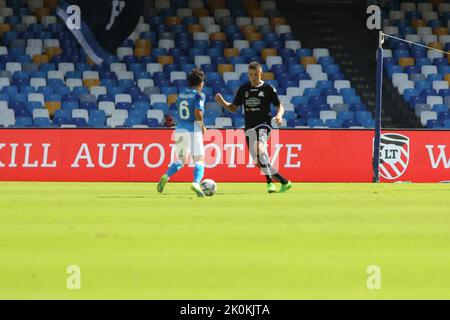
[{"x": 143, "y": 155}]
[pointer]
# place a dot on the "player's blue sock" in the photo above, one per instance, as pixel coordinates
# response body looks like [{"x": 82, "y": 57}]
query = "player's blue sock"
[
  {"x": 199, "y": 172},
  {"x": 174, "y": 168}
]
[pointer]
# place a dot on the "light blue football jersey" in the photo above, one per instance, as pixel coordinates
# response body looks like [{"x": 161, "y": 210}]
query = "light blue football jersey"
[{"x": 188, "y": 101}]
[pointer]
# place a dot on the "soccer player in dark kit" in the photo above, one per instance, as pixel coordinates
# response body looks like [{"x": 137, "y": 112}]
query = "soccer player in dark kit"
[{"x": 257, "y": 97}]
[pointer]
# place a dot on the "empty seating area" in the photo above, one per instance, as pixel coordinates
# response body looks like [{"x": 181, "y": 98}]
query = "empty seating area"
[
  {"x": 46, "y": 80},
  {"x": 421, "y": 75}
]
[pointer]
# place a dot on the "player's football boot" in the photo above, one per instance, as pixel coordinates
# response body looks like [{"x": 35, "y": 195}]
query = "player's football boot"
[
  {"x": 286, "y": 187},
  {"x": 162, "y": 183},
  {"x": 197, "y": 189},
  {"x": 271, "y": 188}
]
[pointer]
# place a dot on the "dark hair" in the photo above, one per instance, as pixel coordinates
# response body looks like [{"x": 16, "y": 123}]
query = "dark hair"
[
  {"x": 196, "y": 77},
  {"x": 255, "y": 66}
]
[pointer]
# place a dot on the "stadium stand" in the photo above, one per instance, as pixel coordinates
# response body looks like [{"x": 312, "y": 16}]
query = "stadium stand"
[
  {"x": 419, "y": 75},
  {"x": 46, "y": 80}
]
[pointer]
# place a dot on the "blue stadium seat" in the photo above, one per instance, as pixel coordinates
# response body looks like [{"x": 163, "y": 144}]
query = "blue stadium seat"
[
  {"x": 346, "y": 115},
  {"x": 440, "y": 108},
  {"x": 24, "y": 122},
  {"x": 290, "y": 115},
  {"x": 152, "y": 123},
  {"x": 130, "y": 122},
  {"x": 334, "y": 123},
  {"x": 431, "y": 124},
  {"x": 368, "y": 123},
  {"x": 315, "y": 123},
  {"x": 41, "y": 122},
  {"x": 79, "y": 122},
  {"x": 363, "y": 115},
  {"x": 161, "y": 106},
  {"x": 239, "y": 122},
  {"x": 351, "y": 123}
]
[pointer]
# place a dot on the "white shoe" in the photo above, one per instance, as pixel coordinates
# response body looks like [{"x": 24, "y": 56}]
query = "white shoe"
[{"x": 198, "y": 190}]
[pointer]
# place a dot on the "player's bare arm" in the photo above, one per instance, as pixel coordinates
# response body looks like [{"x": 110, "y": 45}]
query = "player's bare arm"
[
  {"x": 199, "y": 119},
  {"x": 279, "y": 116},
  {"x": 225, "y": 104}
]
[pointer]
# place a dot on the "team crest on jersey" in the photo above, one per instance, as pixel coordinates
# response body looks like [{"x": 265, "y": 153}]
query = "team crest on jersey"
[
  {"x": 394, "y": 155},
  {"x": 261, "y": 94}
]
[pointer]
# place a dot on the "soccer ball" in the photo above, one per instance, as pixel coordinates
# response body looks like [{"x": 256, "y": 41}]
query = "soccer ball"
[{"x": 209, "y": 187}]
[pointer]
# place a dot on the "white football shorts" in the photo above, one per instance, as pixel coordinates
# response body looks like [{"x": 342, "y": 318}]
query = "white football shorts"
[{"x": 189, "y": 143}]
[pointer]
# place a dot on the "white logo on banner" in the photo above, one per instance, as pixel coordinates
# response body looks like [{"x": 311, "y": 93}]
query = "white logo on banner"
[
  {"x": 74, "y": 279},
  {"x": 394, "y": 155},
  {"x": 374, "y": 278},
  {"x": 441, "y": 158},
  {"x": 226, "y": 149}
]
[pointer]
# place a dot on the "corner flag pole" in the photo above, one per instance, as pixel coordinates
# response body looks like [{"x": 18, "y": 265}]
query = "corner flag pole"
[{"x": 378, "y": 106}]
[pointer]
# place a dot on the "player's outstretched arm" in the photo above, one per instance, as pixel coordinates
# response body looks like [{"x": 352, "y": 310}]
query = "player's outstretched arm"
[{"x": 229, "y": 106}]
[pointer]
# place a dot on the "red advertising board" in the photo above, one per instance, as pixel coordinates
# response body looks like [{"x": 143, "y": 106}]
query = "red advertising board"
[{"x": 143, "y": 155}]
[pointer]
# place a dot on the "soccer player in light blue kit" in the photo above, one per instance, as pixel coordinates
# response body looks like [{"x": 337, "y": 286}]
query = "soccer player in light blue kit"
[{"x": 189, "y": 133}]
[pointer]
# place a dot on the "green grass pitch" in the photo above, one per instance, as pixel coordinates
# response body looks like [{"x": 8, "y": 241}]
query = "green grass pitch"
[{"x": 316, "y": 241}]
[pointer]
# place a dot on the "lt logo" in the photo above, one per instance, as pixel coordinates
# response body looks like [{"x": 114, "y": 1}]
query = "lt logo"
[
  {"x": 391, "y": 154},
  {"x": 74, "y": 279},
  {"x": 374, "y": 278},
  {"x": 374, "y": 21},
  {"x": 116, "y": 10}
]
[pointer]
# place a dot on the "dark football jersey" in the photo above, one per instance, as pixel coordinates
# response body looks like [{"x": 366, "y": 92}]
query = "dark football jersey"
[{"x": 257, "y": 102}]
